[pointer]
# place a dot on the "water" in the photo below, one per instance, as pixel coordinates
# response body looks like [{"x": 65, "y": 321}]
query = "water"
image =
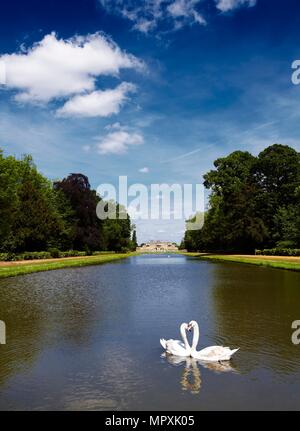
[{"x": 88, "y": 338}]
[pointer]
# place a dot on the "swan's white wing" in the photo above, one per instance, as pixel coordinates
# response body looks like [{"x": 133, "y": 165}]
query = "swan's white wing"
[
  {"x": 176, "y": 347},
  {"x": 163, "y": 343},
  {"x": 215, "y": 353},
  {"x": 211, "y": 350}
]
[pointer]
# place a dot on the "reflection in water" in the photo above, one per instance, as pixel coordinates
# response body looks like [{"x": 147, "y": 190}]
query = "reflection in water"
[
  {"x": 219, "y": 367},
  {"x": 38, "y": 314},
  {"x": 191, "y": 377},
  {"x": 88, "y": 338},
  {"x": 254, "y": 310}
]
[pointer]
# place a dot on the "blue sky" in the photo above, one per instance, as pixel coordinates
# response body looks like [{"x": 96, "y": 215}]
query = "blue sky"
[{"x": 156, "y": 92}]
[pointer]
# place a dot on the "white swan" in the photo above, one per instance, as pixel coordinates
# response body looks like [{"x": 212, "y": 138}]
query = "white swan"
[
  {"x": 176, "y": 347},
  {"x": 209, "y": 354}
]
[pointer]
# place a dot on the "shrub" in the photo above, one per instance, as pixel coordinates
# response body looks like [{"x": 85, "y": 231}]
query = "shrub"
[
  {"x": 54, "y": 252},
  {"x": 11, "y": 256},
  {"x": 31, "y": 255},
  {"x": 3, "y": 256},
  {"x": 278, "y": 252},
  {"x": 124, "y": 250},
  {"x": 72, "y": 253},
  {"x": 27, "y": 255},
  {"x": 51, "y": 253}
]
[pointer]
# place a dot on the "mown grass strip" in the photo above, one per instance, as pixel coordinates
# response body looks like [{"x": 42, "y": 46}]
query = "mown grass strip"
[
  {"x": 14, "y": 270},
  {"x": 279, "y": 264}
]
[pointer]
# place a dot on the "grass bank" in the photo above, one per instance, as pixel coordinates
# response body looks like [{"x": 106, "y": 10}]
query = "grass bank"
[
  {"x": 11, "y": 269},
  {"x": 279, "y": 262}
]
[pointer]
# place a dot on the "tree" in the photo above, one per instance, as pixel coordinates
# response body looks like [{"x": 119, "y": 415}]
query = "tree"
[
  {"x": 30, "y": 218},
  {"x": 88, "y": 229},
  {"x": 36, "y": 215},
  {"x": 254, "y": 202},
  {"x": 134, "y": 240},
  {"x": 287, "y": 224},
  {"x": 9, "y": 174},
  {"x": 65, "y": 235},
  {"x": 277, "y": 173},
  {"x": 233, "y": 219},
  {"x": 117, "y": 231}
]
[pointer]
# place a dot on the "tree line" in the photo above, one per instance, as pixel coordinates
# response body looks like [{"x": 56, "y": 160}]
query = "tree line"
[
  {"x": 254, "y": 203},
  {"x": 37, "y": 214}
]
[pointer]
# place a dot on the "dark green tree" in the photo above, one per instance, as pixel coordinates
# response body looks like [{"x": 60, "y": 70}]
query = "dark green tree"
[
  {"x": 287, "y": 224},
  {"x": 277, "y": 173},
  {"x": 254, "y": 202},
  {"x": 233, "y": 220},
  {"x": 134, "y": 240},
  {"x": 117, "y": 231},
  {"x": 87, "y": 228},
  {"x": 31, "y": 219},
  {"x": 9, "y": 178}
]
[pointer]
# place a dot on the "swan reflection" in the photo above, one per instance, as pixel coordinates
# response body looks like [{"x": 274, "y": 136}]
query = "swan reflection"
[
  {"x": 219, "y": 367},
  {"x": 191, "y": 376}
]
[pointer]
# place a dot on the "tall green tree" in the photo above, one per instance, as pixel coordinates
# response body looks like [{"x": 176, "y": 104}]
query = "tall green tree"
[
  {"x": 134, "y": 240},
  {"x": 30, "y": 218},
  {"x": 277, "y": 173},
  {"x": 254, "y": 202},
  {"x": 233, "y": 220},
  {"x": 9, "y": 179},
  {"x": 287, "y": 224},
  {"x": 117, "y": 231},
  {"x": 87, "y": 228}
]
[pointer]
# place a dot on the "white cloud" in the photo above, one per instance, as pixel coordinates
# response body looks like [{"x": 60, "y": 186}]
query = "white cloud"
[
  {"x": 55, "y": 68},
  {"x": 227, "y": 5},
  {"x": 146, "y": 15},
  {"x": 2, "y": 73},
  {"x": 144, "y": 170},
  {"x": 98, "y": 103},
  {"x": 185, "y": 9},
  {"x": 115, "y": 125},
  {"x": 117, "y": 142},
  {"x": 144, "y": 25}
]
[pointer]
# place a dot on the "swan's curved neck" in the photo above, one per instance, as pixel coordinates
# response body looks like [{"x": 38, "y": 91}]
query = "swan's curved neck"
[
  {"x": 184, "y": 337},
  {"x": 195, "y": 336}
]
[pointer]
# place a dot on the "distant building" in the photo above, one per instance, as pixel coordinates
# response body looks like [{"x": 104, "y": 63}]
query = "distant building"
[{"x": 158, "y": 246}]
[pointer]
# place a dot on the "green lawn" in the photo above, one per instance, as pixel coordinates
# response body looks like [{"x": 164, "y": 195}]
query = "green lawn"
[
  {"x": 35, "y": 266},
  {"x": 11, "y": 270},
  {"x": 280, "y": 262}
]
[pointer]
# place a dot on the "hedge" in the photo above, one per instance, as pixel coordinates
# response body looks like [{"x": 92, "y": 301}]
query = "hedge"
[
  {"x": 50, "y": 254},
  {"x": 278, "y": 252}
]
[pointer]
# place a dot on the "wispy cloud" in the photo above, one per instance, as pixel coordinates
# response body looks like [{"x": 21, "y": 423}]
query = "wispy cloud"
[
  {"x": 144, "y": 170},
  {"x": 227, "y": 5},
  {"x": 148, "y": 14},
  {"x": 183, "y": 156}
]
